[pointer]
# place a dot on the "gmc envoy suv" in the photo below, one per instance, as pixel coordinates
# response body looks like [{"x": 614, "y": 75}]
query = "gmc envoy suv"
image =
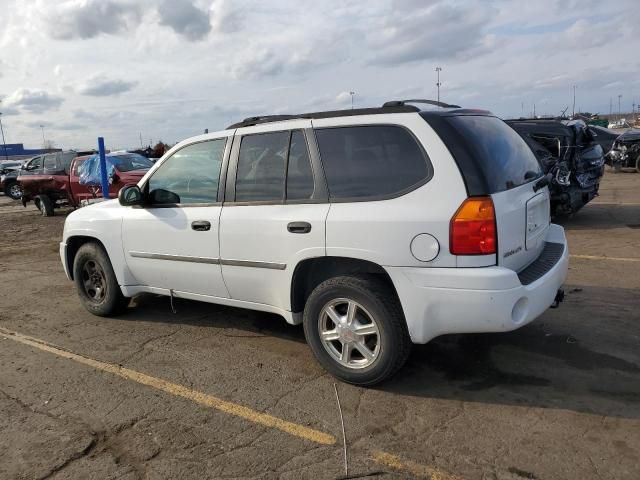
[{"x": 375, "y": 228}]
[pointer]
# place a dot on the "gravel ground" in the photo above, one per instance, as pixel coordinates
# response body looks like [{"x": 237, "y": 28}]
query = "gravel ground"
[{"x": 557, "y": 399}]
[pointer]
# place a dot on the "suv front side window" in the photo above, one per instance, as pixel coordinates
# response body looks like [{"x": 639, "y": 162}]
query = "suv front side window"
[
  {"x": 34, "y": 165},
  {"x": 190, "y": 176},
  {"x": 369, "y": 162}
]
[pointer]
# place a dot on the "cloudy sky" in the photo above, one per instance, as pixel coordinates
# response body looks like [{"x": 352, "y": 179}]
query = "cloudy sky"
[{"x": 168, "y": 69}]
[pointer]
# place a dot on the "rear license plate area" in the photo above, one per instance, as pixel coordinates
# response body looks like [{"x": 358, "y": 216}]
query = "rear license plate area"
[{"x": 537, "y": 219}]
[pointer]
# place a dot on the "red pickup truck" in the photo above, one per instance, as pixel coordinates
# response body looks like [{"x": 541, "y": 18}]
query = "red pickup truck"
[{"x": 53, "y": 180}]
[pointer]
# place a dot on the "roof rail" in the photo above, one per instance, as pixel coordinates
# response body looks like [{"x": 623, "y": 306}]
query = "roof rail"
[
  {"x": 262, "y": 119},
  {"x": 400, "y": 108},
  {"x": 397, "y": 103}
]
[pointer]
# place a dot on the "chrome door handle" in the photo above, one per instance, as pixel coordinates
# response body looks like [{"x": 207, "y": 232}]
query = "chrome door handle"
[
  {"x": 200, "y": 226},
  {"x": 299, "y": 227}
]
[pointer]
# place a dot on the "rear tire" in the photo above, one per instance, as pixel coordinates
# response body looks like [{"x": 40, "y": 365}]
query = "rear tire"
[
  {"x": 638, "y": 163},
  {"x": 45, "y": 205},
  {"x": 13, "y": 190},
  {"x": 96, "y": 282},
  {"x": 372, "y": 356}
]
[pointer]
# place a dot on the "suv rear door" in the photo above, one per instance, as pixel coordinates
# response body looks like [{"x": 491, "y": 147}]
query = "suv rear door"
[
  {"x": 274, "y": 211},
  {"x": 494, "y": 160}
]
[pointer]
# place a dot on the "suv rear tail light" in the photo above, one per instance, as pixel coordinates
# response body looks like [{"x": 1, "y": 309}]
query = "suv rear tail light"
[{"x": 473, "y": 228}]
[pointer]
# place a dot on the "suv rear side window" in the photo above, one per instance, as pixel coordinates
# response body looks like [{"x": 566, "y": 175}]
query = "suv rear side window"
[
  {"x": 371, "y": 161},
  {"x": 299, "y": 173},
  {"x": 498, "y": 150},
  {"x": 261, "y": 167},
  {"x": 264, "y": 161}
]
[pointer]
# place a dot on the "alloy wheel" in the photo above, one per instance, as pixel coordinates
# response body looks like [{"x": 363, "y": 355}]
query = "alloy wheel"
[{"x": 349, "y": 333}]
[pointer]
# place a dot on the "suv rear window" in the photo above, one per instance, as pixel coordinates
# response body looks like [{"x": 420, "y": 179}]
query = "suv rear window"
[
  {"x": 374, "y": 161},
  {"x": 501, "y": 155}
]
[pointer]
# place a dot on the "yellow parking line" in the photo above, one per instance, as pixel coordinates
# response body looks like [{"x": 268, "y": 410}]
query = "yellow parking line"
[
  {"x": 615, "y": 203},
  {"x": 415, "y": 469},
  {"x": 597, "y": 257},
  {"x": 179, "y": 390},
  {"x": 383, "y": 458}
]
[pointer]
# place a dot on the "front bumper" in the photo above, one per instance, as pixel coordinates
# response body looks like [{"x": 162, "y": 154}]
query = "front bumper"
[{"x": 438, "y": 301}]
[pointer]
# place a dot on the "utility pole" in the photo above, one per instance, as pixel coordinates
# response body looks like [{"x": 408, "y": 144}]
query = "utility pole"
[
  {"x": 573, "y": 111},
  {"x": 44, "y": 144},
  {"x": 534, "y": 110},
  {"x": 352, "y": 95},
  {"x": 142, "y": 146},
  {"x": 438, "y": 70},
  {"x": 522, "y": 108}
]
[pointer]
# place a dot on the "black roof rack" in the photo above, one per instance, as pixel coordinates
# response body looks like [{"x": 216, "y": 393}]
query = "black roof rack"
[
  {"x": 396, "y": 103},
  {"x": 395, "y": 108}
]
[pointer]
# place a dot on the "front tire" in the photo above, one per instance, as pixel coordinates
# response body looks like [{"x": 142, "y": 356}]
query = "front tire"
[
  {"x": 13, "y": 190},
  {"x": 356, "y": 329},
  {"x": 96, "y": 282},
  {"x": 45, "y": 205}
]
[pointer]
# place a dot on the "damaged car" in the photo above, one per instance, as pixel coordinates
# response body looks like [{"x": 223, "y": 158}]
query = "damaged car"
[
  {"x": 66, "y": 179},
  {"x": 625, "y": 152},
  {"x": 571, "y": 158}
]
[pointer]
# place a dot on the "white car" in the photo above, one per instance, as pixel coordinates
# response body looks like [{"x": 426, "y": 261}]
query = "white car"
[{"x": 375, "y": 228}]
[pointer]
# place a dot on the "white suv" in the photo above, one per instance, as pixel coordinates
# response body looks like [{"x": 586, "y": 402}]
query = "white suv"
[{"x": 375, "y": 228}]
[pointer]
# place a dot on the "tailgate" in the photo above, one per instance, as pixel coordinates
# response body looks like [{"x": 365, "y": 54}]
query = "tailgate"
[{"x": 522, "y": 219}]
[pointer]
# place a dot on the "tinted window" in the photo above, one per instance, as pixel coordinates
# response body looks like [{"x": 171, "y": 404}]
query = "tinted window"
[
  {"x": 500, "y": 153},
  {"x": 126, "y": 162},
  {"x": 35, "y": 164},
  {"x": 370, "y": 161},
  {"x": 191, "y": 175},
  {"x": 66, "y": 160},
  {"x": 50, "y": 162},
  {"x": 299, "y": 174},
  {"x": 261, "y": 167}
]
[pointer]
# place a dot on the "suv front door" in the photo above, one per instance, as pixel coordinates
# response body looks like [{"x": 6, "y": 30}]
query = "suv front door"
[
  {"x": 274, "y": 212},
  {"x": 172, "y": 242}
]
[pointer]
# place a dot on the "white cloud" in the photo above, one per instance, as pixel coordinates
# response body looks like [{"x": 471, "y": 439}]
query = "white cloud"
[
  {"x": 184, "y": 18},
  {"x": 102, "y": 86},
  {"x": 31, "y": 101},
  {"x": 417, "y": 31},
  {"x": 89, "y": 18}
]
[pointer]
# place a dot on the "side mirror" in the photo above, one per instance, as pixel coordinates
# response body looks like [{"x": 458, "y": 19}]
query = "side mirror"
[{"x": 130, "y": 195}]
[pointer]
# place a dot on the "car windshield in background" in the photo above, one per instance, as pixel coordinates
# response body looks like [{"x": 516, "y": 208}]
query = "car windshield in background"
[
  {"x": 127, "y": 162},
  {"x": 502, "y": 155}
]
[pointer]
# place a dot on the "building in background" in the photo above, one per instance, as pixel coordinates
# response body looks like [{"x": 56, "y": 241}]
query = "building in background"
[{"x": 16, "y": 151}]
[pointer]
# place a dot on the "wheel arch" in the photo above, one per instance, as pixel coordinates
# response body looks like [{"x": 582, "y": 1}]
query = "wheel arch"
[
  {"x": 310, "y": 272},
  {"x": 73, "y": 245}
]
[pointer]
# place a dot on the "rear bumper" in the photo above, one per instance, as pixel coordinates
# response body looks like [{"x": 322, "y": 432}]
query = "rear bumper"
[{"x": 438, "y": 301}]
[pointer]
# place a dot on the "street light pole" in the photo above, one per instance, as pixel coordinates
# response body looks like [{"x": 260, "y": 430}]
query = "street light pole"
[
  {"x": 4, "y": 144},
  {"x": 619, "y": 110},
  {"x": 573, "y": 114},
  {"x": 44, "y": 143},
  {"x": 352, "y": 95},
  {"x": 438, "y": 70}
]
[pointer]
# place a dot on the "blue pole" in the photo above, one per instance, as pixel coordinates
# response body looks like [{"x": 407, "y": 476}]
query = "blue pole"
[{"x": 103, "y": 168}]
